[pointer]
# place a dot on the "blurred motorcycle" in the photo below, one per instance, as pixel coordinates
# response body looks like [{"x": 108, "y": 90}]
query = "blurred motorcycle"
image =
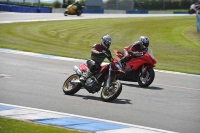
[{"x": 74, "y": 9}]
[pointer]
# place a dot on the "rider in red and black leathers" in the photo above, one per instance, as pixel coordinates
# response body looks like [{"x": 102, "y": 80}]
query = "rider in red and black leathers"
[
  {"x": 98, "y": 56},
  {"x": 135, "y": 49},
  {"x": 79, "y": 7}
]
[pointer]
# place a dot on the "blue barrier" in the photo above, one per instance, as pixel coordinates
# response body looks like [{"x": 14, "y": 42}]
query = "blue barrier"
[
  {"x": 45, "y": 10},
  {"x": 25, "y": 9},
  {"x": 5, "y": 7},
  {"x": 33, "y": 10},
  {"x": 16, "y": 8},
  {"x": 137, "y": 12}
]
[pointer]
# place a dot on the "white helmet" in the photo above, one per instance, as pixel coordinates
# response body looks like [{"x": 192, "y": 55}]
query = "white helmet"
[{"x": 106, "y": 41}]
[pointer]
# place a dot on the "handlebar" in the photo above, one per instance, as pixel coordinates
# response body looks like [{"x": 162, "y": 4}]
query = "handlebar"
[{"x": 108, "y": 55}]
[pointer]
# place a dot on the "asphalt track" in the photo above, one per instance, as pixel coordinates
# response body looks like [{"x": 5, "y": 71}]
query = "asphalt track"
[{"x": 170, "y": 103}]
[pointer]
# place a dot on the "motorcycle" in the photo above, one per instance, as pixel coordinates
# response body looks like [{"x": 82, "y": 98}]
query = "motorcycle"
[
  {"x": 138, "y": 69},
  {"x": 74, "y": 10},
  {"x": 105, "y": 78}
]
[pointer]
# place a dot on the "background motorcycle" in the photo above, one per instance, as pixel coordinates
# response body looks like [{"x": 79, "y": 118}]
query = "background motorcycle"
[
  {"x": 105, "y": 78},
  {"x": 138, "y": 69},
  {"x": 74, "y": 10}
]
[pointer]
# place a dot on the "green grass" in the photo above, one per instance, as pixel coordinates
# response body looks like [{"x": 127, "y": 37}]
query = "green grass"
[
  {"x": 172, "y": 10},
  {"x": 8, "y": 125},
  {"x": 174, "y": 40},
  {"x": 178, "y": 10}
]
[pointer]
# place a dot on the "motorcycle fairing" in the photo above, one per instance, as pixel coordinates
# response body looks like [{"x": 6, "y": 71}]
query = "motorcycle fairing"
[
  {"x": 130, "y": 75},
  {"x": 103, "y": 68},
  {"x": 135, "y": 63},
  {"x": 83, "y": 67},
  {"x": 119, "y": 54}
]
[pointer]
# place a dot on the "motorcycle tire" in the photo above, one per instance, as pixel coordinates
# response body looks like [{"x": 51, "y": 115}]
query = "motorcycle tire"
[
  {"x": 79, "y": 12},
  {"x": 110, "y": 94},
  {"x": 69, "y": 88},
  {"x": 147, "y": 79},
  {"x": 65, "y": 13}
]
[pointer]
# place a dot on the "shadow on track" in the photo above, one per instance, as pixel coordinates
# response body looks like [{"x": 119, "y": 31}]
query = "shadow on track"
[
  {"x": 116, "y": 101},
  {"x": 137, "y": 86}
]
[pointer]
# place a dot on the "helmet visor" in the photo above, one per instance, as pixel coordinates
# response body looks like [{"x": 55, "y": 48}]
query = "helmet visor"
[{"x": 107, "y": 43}]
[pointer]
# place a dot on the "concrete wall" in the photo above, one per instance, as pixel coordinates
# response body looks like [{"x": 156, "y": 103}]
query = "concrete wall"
[{"x": 58, "y": 10}]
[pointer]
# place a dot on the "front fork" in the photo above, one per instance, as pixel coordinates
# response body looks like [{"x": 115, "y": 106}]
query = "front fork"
[
  {"x": 144, "y": 70},
  {"x": 109, "y": 76}
]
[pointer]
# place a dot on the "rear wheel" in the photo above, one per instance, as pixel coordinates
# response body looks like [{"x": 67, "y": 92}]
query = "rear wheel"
[
  {"x": 111, "y": 93},
  {"x": 69, "y": 87},
  {"x": 145, "y": 79}
]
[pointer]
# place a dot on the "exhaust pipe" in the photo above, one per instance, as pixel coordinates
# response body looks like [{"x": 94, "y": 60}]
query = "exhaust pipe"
[
  {"x": 77, "y": 70},
  {"x": 75, "y": 81}
]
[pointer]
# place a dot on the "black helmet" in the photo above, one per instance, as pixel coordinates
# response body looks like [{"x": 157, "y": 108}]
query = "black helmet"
[
  {"x": 106, "y": 41},
  {"x": 144, "y": 40}
]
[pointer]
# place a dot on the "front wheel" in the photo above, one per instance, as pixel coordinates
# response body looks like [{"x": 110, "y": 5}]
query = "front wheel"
[
  {"x": 111, "y": 93},
  {"x": 145, "y": 79},
  {"x": 79, "y": 12},
  {"x": 65, "y": 13},
  {"x": 70, "y": 87}
]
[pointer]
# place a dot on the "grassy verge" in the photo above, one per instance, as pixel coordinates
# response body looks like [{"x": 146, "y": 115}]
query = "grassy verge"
[
  {"x": 178, "y": 10},
  {"x": 174, "y": 40},
  {"x": 8, "y": 125}
]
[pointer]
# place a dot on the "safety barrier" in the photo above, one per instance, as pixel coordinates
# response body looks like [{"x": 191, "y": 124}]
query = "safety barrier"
[{"x": 28, "y": 9}]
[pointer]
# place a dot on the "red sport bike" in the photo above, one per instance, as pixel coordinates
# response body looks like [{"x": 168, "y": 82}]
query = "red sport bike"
[
  {"x": 105, "y": 78},
  {"x": 138, "y": 69}
]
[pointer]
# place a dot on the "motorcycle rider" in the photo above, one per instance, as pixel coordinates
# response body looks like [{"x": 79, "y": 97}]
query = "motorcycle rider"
[
  {"x": 135, "y": 49},
  {"x": 77, "y": 4},
  {"x": 98, "y": 54},
  {"x": 195, "y": 8}
]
